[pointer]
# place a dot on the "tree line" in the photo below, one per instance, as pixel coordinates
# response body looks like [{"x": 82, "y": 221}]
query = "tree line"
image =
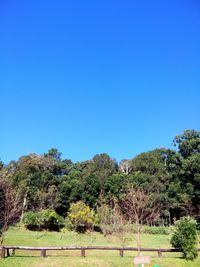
[{"x": 170, "y": 178}]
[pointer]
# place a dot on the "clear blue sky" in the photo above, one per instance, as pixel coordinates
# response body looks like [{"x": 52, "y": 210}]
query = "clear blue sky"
[{"x": 90, "y": 76}]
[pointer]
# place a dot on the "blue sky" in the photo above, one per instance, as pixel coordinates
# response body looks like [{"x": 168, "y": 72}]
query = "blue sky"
[{"x": 88, "y": 77}]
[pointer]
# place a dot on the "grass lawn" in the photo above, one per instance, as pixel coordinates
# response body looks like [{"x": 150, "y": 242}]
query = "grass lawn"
[{"x": 19, "y": 236}]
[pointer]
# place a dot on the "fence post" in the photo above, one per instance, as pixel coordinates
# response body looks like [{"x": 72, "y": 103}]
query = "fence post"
[
  {"x": 43, "y": 253},
  {"x": 159, "y": 253},
  {"x": 3, "y": 252},
  {"x": 82, "y": 252},
  {"x": 121, "y": 253},
  {"x": 8, "y": 252}
]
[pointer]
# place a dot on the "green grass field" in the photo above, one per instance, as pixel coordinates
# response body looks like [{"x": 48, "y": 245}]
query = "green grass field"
[{"x": 19, "y": 236}]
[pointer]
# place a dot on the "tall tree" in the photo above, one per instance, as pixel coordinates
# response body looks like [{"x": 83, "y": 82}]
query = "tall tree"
[
  {"x": 188, "y": 143},
  {"x": 54, "y": 154},
  {"x": 103, "y": 166},
  {"x": 190, "y": 179}
]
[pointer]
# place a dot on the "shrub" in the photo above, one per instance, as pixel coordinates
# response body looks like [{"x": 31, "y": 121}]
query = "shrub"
[
  {"x": 81, "y": 216},
  {"x": 110, "y": 219},
  {"x": 184, "y": 237},
  {"x": 51, "y": 220},
  {"x": 32, "y": 220},
  {"x": 45, "y": 219}
]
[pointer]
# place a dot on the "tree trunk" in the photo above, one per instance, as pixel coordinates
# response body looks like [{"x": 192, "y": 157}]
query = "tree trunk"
[
  {"x": 138, "y": 238},
  {"x": 23, "y": 207}
]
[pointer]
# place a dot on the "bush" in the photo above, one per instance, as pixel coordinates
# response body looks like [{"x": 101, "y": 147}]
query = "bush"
[
  {"x": 45, "y": 219},
  {"x": 51, "y": 220},
  {"x": 110, "y": 219},
  {"x": 184, "y": 237},
  {"x": 81, "y": 217},
  {"x": 32, "y": 220}
]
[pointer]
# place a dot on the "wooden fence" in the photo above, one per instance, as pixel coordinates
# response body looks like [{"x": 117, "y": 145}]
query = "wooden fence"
[{"x": 6, "y": 251}]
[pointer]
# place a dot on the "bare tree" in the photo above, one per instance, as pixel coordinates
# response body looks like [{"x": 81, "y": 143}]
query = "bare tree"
[
  {"x": 139, "y": 208},
  {"x": 124, "y": 166},
  {"x": 11, "y": 204}
]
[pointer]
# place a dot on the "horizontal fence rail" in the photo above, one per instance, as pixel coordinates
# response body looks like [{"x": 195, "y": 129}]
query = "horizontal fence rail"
[{"x": 6, "y": 251}]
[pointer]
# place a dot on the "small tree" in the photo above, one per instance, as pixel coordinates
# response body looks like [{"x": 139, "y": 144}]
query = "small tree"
[
  {"x": 140, "y": 208},
  {"x": 184, "y": 237},
  {"x": 10, "y": 206},
  {"x": 81, "y": 216}
]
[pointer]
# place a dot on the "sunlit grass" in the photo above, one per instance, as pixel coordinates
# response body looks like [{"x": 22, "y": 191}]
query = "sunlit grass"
[{"x": 19, "y": 236}]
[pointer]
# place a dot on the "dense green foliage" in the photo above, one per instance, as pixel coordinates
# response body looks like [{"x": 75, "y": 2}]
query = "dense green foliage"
[
  {"x": 51, "y": 220},
  {"x": 45, "y": 219},
  {"x": 32, "y": 220},
  {"x": 185, "y": 237},
  {"x": 49, "y": 182}
]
